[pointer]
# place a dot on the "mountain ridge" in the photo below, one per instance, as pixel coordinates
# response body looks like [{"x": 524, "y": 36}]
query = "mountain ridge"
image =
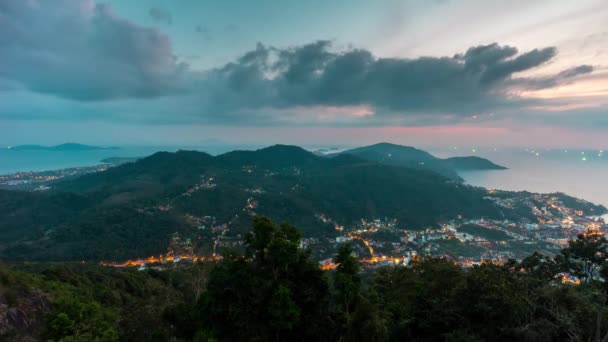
[
  {"x": 411, "y": 157},
  {"x": 473, "y": 163}
]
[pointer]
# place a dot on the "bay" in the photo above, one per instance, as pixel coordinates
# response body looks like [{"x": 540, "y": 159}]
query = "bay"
[{"x": 579, "y": 173}]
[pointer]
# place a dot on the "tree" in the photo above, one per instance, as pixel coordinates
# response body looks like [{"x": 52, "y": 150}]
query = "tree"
[
  {"x": 347, "y": 283},
  {"x": 78, "y": 320},
  {"x": 275, "y": 291},
  {"x": 494, "y": 303},
  {"x": 368, "y": 321},
  {"x": 539, "y": 266},
  {"x": 585, "y": 255}
]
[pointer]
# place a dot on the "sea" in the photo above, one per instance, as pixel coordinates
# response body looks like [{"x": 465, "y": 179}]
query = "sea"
[
  {"x": 580, "y": 173},
  {"x": 12, "y": 161}
]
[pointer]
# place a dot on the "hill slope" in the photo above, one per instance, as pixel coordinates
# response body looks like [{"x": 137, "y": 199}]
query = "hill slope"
[
  {"x": 132, "y": 210},
  {"x": 406, "y": 156},
  {"x": 472, "y": 163}
]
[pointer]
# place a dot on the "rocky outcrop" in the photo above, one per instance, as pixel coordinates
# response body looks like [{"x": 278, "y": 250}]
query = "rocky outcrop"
[{"x": 22, "y": 315}]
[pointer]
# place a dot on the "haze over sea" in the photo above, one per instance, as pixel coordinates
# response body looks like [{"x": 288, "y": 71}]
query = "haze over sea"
[{"x": 581, "y": 173}]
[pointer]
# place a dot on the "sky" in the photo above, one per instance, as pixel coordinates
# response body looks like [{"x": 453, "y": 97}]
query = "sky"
[{"x": 345, "y": 72}]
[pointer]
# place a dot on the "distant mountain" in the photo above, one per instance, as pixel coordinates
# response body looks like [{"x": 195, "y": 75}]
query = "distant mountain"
[
  {"x": 62, "y": 147},
  {"x": 132, "y": 209},
  {"x": 410, "y": 157},
  {"x": 392, "y": 152},
  {"x": 472, "y": 163},
  {"x": 276, "y": 156}
]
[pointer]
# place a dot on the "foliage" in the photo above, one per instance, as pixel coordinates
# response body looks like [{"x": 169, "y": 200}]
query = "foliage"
[
  {"x": 586, "y": 255},
  {"x": 274, "y": 291},
  {"x": 486, "y": 233},
  {"x": 456, "y": 248}
]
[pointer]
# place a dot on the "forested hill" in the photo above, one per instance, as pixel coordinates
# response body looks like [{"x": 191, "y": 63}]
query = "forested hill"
[
  {"x": 472, "y": 163},
  {"x": 132, "y": 210},
  {"x": 274, "y": 291},
  {"x": 406, "y": 156}
]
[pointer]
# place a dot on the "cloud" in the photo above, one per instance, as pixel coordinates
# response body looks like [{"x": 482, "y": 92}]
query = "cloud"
[
  {"x": 529, "y": 60},
  {"x": 480, "y": 80},
  {"x": 481, "y": 57},
  {"x": 84, "y": 51},
  {"x": 494, "y": 63},
  {"x": 564, "y": 77},
  {"x": 161, "y": 15}
]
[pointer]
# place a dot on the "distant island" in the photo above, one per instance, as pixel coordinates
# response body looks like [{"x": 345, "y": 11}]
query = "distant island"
[
  {"x": 472, "y": 163},
  {"x": 410, "y": 157},
  {"x": 62, "y": 147}
]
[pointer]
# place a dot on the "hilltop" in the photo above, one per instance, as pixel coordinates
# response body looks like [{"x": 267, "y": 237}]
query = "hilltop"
[
  {"x": 406, "y": 156},
  {"x": 472, "y": 163}
]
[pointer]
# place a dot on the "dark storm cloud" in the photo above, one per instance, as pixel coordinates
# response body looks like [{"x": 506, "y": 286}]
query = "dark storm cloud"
[
  {"x": 83, "y": 51},
  {"x": 161, "y": 15},
  {"x": 315, "y": 75}
]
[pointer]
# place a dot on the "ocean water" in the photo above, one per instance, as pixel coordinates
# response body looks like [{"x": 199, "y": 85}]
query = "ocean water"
[
  {"x": 12, "y": 161},
  {"x": 580, "y": 173}
]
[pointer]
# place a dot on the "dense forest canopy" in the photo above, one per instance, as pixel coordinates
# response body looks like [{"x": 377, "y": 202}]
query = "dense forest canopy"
[{"x": 273, "y": 290}]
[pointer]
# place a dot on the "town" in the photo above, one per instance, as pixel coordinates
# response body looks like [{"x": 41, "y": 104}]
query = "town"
[
  {"x": 42, "y": 180},
  {"x": 548, "y": 226},
  {"x": 469, "y": 242}
]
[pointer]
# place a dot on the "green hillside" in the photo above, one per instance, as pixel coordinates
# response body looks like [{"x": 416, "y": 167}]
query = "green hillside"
[
  {"x": 132, "y": 210},
  {"x": 409, "y": 157}
]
